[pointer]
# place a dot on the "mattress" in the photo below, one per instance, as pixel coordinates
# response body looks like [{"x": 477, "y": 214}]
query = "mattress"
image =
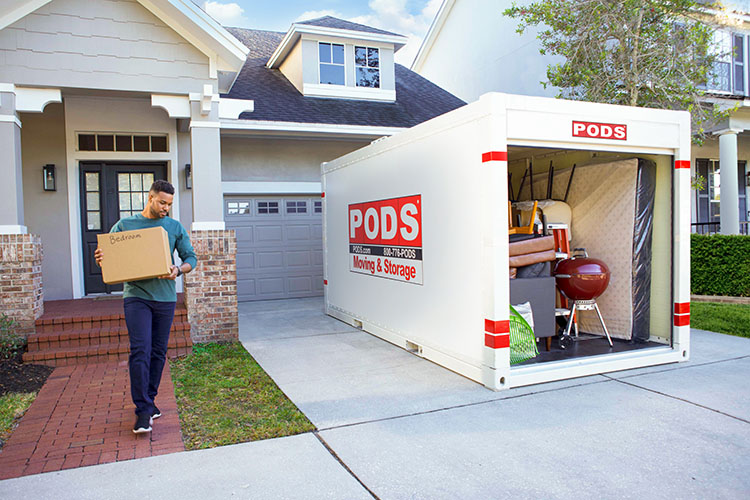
[{"x": 612, "y": 217}]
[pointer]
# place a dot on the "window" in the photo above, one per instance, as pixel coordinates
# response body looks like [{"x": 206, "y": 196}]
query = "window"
[
  {"x": 729, "y": 71},
  {"x": 123, "y": 143},
  {"x": 331, "y": 57},
  {"x": 296, "y": 207},
  {"x": 318, "y": 207},
  {"x": 738, "y": 60},
  {"x": 238, "y": 208},
  {"x": 268, "y": 207},
  {"x": 367, "y": 64},
  {"x": 132, "y": 191}
]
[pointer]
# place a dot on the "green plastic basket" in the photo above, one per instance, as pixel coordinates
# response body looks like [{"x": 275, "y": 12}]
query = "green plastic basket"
[{"x": 522, "y": 339}]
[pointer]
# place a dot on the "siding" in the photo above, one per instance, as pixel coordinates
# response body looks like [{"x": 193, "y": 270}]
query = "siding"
[{"x": 102, "y": 44}]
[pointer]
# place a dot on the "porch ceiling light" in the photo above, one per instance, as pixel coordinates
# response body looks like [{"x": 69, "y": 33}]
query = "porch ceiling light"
[
  {"x": 48, "y": 178},
  {"x": 188, "y": 177}
]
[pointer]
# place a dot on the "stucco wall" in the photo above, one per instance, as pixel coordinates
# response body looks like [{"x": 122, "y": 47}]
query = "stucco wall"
[
  {"x": 46, "y": 212},
  {"x": 479, "y": 51},
  {"x": 253, "y": 159},
  {"x": 106, "y": 44}
]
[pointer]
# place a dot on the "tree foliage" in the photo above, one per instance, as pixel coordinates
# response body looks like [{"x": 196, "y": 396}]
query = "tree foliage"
[{"x": 650, "y": 53}]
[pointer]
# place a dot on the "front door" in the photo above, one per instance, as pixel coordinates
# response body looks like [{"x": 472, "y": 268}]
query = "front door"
[{"x": 110, "y": 191}]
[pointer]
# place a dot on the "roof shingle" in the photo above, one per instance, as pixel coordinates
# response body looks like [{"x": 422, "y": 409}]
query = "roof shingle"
[
  {"x": 333, "y": 22},
  {"x": 276, "y": 99}
]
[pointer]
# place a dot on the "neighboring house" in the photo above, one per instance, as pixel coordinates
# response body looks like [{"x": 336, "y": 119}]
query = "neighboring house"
[
  {"x": 103, "y": 97},
  {"x": 495, "y": 58}
]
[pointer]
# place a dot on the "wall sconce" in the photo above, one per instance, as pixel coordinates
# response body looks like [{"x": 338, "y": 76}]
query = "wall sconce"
[
  {"x": 48, "y": 178},
  {"x": 747, "y": 179},
  {"x": 188, "y": 177}
]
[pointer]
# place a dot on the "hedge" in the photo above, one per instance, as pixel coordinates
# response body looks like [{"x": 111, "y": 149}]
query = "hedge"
[{"x": 720, "y": 265}]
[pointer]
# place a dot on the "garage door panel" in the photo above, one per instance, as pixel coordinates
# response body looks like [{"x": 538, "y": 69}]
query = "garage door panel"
[
  {"x": 245, "y": 288},
  {"x": 244, "y": 234},
  {"x": 266, "y": 234},
  {"x": 298, "y": 258},
  {"x": 317, "y": 257},
  {"x": 270, "y": 286},
  {"x": 245, "y": 260},
  {"x": 298, "y": 232},
  {"x": 270, "y": 260},
  {"x": 279, "y": 254},
  {"x": 300, "y": 284}
]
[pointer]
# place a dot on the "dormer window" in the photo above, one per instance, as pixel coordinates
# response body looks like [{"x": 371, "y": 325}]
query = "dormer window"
[
  {"x": 367, "y": 64},
  {"x": 332, "y": 68}
]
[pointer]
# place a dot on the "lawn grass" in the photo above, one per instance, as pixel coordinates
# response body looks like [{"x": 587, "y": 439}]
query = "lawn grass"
[
  {"x": 224, "y": 397},
  {"x": 12, "y": 407},
  {"x": 733, "y": 319}
]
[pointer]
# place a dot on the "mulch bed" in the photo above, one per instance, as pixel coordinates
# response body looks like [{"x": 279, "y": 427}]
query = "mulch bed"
[{"x": 18, "y": 377}]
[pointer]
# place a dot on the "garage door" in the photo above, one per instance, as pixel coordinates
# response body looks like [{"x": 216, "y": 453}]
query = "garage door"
[{"x": 279, "y": 246}]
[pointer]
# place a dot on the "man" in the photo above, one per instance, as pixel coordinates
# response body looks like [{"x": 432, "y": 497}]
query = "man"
[{"x": 150, "y": 304}]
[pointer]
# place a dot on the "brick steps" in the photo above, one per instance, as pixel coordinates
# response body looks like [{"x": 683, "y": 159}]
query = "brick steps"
[{"x": 72, "y": 337}]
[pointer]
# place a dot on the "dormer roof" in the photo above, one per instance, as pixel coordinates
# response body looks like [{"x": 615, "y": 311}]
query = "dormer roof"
[{"x": 332, "y": 27}]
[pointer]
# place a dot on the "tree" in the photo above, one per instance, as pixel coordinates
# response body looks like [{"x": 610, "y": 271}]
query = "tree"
[{"x": 650, "y": 53}]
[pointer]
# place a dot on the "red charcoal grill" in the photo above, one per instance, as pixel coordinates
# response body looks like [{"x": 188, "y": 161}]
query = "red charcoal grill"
[{"x": 581, "y": 280}]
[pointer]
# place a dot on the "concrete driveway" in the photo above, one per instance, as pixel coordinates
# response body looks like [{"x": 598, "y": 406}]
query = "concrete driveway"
[
  {"x": 392, "y": 425},
  {"x": 408, "y": 428}
]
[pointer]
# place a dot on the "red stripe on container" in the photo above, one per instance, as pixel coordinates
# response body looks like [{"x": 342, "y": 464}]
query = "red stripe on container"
[
  {"x": 495, "y": 156},
  {"x": 502, "y": 326},
  {"x": 681, "y": 319},
  {"x": 682, "y": 164},
  {"x": 496, "y": 341},
  {"x": 682, "y": 307}
]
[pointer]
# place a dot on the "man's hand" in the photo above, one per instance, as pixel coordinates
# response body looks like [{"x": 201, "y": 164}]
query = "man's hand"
[
  {"x": 173, "y": 275},
  {"x": 98, "y": 254}
]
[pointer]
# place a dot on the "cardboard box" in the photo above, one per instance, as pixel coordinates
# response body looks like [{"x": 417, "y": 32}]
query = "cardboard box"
[{"x": 135, "y": 255}]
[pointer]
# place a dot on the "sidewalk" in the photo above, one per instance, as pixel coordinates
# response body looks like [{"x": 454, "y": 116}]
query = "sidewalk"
[
  {"x": 392, "y": 425},
  {"x": 83, "y": 416}
]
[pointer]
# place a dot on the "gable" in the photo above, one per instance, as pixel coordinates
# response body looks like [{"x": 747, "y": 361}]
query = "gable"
[{"x": 102, "y": 44}]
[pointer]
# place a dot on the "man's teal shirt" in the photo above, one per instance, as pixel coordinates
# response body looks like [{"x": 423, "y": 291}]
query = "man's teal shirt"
[{"x": 159, "y": 290}]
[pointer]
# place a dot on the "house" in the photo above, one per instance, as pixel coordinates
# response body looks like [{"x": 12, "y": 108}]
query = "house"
[
  {"x": 97, "y": 99},
  {"x": 496, "y": 58}
]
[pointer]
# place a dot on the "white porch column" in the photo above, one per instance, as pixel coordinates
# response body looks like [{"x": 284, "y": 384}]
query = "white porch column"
[
  {"x": 11, "y": 187},
  {"x": 729, "y": 203},
  {"x": 205, "y": 151}
]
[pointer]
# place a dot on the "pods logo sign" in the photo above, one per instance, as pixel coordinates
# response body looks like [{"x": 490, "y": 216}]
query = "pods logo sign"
[
  {"x": 594, "y": 130},
  {"x": 385, "y": 238}
]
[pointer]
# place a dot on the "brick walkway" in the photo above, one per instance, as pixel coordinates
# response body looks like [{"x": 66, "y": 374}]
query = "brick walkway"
[{"x": 84, "y": 416}]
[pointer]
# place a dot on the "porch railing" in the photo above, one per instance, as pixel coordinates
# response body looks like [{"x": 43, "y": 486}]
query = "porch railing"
[{"x": 715, "y": 227}]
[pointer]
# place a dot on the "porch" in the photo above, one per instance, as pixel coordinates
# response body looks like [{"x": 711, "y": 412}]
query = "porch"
[{"x": 93, "y": 330}]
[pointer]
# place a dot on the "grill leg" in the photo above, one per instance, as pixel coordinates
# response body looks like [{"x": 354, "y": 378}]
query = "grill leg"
[
  {"x": 601, "y": 320},
  {"x": 570, "y": 319}
]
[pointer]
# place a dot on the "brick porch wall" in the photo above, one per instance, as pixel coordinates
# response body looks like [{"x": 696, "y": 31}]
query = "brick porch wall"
[
  {"x": 21, "y": 294},
  {"x": 211, "y": 289}
]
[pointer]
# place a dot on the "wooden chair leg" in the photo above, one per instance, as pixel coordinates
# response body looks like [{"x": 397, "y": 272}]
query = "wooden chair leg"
[{"x": 549, "y": 343}]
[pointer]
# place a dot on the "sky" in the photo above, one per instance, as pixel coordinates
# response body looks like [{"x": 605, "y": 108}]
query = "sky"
[{"x": 411, "y": 18}]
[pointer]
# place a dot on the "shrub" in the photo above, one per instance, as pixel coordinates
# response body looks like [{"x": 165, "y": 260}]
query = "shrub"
[
  {"x": 720, "y": 265},
  {"x": 11, "y": 343}
]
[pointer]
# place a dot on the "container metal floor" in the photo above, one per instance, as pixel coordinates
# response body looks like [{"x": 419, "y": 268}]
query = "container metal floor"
[{"x": 589, "y": 345}]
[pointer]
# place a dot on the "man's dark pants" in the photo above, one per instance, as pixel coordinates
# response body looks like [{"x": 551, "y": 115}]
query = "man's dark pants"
[{"x": 148, "y": 324}]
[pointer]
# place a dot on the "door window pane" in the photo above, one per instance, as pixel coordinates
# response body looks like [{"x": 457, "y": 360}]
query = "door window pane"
[
  {"x": 92, "y": 201},
  {"x": 124, "y": 202},
  {"x": 136, "y": 201},
  {"x": 93, "y": 221},
  {"x": 123, "y": 182},
  {"x": 92, "y": 181},
  {"x": 148, "y": 179},
  {"x": 136, "y": 182}
]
